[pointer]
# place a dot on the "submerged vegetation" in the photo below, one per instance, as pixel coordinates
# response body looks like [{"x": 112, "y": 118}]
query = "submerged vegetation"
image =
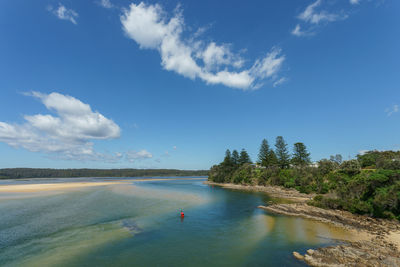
[
  {"x": 19, "y": 173},
  {"x": 369, "y": 184}
]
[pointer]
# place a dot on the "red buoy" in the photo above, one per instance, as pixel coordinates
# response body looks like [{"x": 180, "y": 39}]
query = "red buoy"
[{"x": 182, "y": 214}]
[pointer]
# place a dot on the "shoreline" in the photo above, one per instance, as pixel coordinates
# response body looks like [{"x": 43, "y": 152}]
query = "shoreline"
[
  {"x": 377, "y": 242},
  {"x": 24, "y": 188},
  {"x": 66, "y": 185}
]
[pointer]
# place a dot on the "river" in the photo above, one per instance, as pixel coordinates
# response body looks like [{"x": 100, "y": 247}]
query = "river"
[{"x": 138, "y": 224}]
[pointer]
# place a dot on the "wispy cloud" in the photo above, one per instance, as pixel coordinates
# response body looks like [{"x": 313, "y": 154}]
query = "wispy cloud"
[
  {"x": 354, "y": 2},
  {"x": 390, "y": 111},
  {"x": 133, "y": 156},
  {"x": 280, "y": 81},
  {"x": 105, "y": 3},
  {"x": 150, "y": 27},
  {"x": 297, "y": 31},
  {"x": 313, "y": 16},
  {"x": 64, "y": 13}
]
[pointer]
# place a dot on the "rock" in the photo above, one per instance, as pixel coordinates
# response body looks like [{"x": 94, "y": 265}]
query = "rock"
[
  {"x": 298, "y": 256},
  {"x": 310, "y": 251}
]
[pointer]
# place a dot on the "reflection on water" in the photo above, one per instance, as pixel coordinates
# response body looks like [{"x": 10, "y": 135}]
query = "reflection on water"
[{"x": 139, "y": 224}]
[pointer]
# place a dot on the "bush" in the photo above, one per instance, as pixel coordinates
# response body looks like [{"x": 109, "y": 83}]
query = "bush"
[
  {"x": 350, "y": 167},
  {"x": 326, "y": 203},
  {"x": 360, "y": 207},
  {"x": 243, "y": 175},
  {"x": 326, "y": 166}
]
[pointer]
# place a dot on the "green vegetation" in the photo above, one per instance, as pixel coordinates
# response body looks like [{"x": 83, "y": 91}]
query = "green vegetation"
[
  {"x": 19, "y": 173},
  {"x": 369, "y": 184}
]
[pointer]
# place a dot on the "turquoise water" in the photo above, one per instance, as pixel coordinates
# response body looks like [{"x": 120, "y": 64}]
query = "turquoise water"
[{"x": 138, "y": 224}]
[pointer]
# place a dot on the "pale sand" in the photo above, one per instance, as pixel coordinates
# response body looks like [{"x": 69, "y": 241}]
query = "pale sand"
[{"x": 21, "y": 188}]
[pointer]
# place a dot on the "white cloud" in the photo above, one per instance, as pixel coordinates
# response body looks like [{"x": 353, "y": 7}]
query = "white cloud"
[
  {"x": 106, "y": 4},
  {"x": 279, "y": 82},
  {"x": 64, "y": 13},
  {"x": 391, "y": 110},
  {"x": 149, "y": 26},
  {"x": 313, "y": 16},
  {"x": 67, "y": 135},
  {"x": 133, "y": 156},
  {"x": 297, "y": 31},
  {"x": 354, "y": 2}
]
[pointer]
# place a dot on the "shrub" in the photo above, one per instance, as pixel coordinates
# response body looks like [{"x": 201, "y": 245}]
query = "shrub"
[{"x": 350, "y": 167}]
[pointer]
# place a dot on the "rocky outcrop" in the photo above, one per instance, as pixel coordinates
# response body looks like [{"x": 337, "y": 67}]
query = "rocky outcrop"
[
  {"x": 337, "y": 217},
  {"x": 374, "y": 252},
  {"x": 366, "y": 253}
]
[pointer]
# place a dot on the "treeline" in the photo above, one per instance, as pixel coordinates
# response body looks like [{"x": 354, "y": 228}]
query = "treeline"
[
  {"x": 369, "y": 184},
  {"x": 19, "y": 173},
  {"x": 235, "y": 165}
]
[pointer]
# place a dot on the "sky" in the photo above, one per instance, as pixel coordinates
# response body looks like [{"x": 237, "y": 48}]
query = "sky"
[{"x": 173, "y": 84}]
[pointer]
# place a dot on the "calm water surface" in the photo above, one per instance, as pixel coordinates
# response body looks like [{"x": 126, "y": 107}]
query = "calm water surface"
[{"x": 138, "y": 224}]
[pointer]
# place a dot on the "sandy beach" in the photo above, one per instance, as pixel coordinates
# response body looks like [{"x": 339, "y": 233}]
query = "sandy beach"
[
  {"x": 38, "y": 187},
  {"x": 20, "y": 188}
]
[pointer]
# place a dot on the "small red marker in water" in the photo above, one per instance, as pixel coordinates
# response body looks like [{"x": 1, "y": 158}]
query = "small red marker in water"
[{"x": 182, "y": 214}]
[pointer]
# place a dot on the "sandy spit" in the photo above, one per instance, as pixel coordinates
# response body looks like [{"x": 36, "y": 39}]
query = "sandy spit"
[{"x": 21, "y": 188}]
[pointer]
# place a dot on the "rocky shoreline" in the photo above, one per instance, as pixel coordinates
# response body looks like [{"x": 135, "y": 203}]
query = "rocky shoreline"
[{"x": 379, "y": 239}]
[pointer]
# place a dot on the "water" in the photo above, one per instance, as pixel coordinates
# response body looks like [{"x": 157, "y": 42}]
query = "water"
[{"x": 138, "y": 224}]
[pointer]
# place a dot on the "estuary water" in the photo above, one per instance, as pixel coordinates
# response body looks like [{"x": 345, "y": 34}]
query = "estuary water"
[{"x": 138, "y": 224}]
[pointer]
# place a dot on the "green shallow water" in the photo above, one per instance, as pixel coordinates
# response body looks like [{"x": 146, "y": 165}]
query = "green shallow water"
[{"x": 138, "y": 224}]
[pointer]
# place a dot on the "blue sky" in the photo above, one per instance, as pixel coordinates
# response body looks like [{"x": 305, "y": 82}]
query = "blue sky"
[{"x": 173, "y": 84}]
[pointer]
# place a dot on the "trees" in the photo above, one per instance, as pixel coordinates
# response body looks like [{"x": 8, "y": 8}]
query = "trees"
[
  {"x": 300, "y": 155},
  {"x": 281, "y": 152},
  {"x": 326, "y": 166},
  {"x": 228, "y": 158},
  {"x": 263, "y": 154},
  {"x": 375, "y": 192},
  {"x": 235, "y": 157},
  {"x": 244, "y": 157},
  {"x": 337, "y": 158},
  {"x": 266, "y": 156},
  {"x": 379, "y": 159},
  {"x": 350, "y": 167}
]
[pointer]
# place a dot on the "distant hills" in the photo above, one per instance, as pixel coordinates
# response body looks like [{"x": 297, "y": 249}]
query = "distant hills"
[{"x": 20, "y": 173}]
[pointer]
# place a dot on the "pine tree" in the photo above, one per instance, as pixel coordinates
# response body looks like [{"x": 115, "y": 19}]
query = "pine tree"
[
  {"x": 300, "y": 155},
  {"x": 272, "y": 159},
  {"x": 228, "y": 158},
  {"x": 244, "y": 157},
  {"x": 282, "y": 154},
  {"x": 264, "y": 153},
  {"x": 235, "y": 157}
]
